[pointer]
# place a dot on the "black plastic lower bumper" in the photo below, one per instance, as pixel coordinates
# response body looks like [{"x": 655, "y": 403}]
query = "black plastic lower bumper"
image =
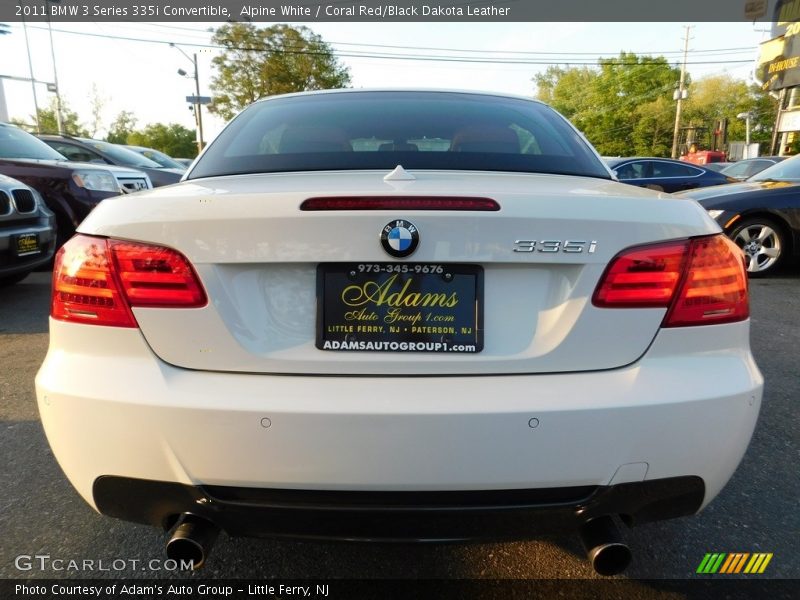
[{"x": 396, "y": 516}]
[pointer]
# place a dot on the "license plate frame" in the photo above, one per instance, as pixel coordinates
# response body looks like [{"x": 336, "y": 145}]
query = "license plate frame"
[{"x": 370, "y": 307}]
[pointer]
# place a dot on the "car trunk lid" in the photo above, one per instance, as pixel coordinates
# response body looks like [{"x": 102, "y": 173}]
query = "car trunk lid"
[{"x": 262, "y": 261}]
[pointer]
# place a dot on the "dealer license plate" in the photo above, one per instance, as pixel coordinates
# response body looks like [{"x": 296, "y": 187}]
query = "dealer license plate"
[
  {"x": 400, "y": 307},
  {"x": 26, "y": 244}
]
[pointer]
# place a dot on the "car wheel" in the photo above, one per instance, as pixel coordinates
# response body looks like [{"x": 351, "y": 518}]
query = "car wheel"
[
  {"x": 763, "y": 244},
  {"x": 12, "y": 279}
]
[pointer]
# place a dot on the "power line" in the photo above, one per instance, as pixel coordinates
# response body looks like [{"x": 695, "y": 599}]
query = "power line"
[
  {"x": 736, "y": 50},
  {"x": 385, "y": 56}
]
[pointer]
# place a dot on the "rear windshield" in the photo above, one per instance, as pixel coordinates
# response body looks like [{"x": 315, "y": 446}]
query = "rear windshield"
[{"x": 380, "y": 130}]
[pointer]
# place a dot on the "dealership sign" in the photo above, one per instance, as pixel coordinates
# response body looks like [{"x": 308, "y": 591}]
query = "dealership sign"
[
  {"x": 779, "y": 58},
  {"x": 779, "y": 63}
]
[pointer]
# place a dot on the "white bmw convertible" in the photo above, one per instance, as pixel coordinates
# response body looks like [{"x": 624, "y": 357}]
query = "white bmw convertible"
[{"x": 399, "y": 315}]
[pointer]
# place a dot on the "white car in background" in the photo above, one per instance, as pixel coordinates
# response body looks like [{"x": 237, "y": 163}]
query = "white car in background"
[{"x": 399, "y": 315}]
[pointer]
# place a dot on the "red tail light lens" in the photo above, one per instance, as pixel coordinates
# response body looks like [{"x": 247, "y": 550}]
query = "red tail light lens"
[
  {"x": 85, "y": 289},
  {"x": 701, "y": 281},
  {"x": 97, "y": 281},
  {"x": 714, "y": 289},
  {"x": 645, "y": 276},
  {"x": 156, "y": 276}
]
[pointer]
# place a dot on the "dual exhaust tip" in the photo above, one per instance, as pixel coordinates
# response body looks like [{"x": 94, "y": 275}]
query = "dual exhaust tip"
[{"x": 193, "y": 538}]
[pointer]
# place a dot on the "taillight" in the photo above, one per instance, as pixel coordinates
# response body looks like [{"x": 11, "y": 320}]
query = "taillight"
[
  {"x": 701, "y": 281},
  {"x": 97, "y": 281},
  {"x": 641, "y": 277},
  {"x": 85, "y": 289},
  {"x": 714, "y": 288}
]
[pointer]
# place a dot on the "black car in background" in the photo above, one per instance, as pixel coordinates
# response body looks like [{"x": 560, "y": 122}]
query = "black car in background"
[
  {"x": 27, "y": 231},
  {"x": 746, "y": 168},
  {"x": 663, "y": 174},
  {"x": 95, "y": 151},
  {"x": 762, "y": 215},
  {"x": 70, "y": 190}
]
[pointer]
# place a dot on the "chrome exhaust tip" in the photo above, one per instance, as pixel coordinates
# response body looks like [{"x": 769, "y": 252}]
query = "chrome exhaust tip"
[
  {"x": 192, "y": 540},
  {"x": 606, "y": 551}
]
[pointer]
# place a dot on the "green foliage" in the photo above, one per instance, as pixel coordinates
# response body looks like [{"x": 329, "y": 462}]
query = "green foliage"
[
  {"x": 258, "y": 62},
  {"x": 621, "y": 106},
  {"x": 48, "y": 122},
  {"x": 121, "y": 128},
  {"x": 172, "y": 139},
  {"x": 717, "y": 97},
  {"x": 625, "y": 106}
]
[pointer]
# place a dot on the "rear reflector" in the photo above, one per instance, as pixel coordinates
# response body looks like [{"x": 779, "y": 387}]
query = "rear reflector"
[
  {"x": 97, "y": 281},
  {"x": 701, "y": 281},
  {"x": 400, "y": 203}
]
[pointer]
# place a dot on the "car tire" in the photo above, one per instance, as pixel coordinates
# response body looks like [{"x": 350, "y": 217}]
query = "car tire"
[
  {"x": 763, "y": 242},
  {"x": 12, "y": 279}
]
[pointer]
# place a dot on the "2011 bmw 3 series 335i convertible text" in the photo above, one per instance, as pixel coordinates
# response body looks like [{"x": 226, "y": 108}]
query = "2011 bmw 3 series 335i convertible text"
[{"x": 399, "y": 315}]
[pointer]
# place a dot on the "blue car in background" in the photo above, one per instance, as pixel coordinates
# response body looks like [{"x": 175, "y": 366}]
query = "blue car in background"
[{"x": 664, "y": 175}]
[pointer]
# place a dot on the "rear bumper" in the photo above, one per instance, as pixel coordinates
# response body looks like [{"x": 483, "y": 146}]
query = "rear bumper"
[
  {"x": 396, "y": 516},
  {"x": 686, "y": 409}
]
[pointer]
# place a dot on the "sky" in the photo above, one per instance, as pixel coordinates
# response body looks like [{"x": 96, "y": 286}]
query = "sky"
[{"x": 141, "y": 76}]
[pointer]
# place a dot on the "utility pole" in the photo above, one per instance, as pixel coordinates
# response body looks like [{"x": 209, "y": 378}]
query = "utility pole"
[
  {"x": 59, "y": 117},
  {"x": 680, "y": 94},
  {"x": 773, "y": 147},
  {"x": 30, "y": 71},
  {"x": 198, "y": 106}
]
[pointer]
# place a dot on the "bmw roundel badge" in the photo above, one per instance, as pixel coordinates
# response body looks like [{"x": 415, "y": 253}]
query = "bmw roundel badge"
[{"x": 399, "y": 238}]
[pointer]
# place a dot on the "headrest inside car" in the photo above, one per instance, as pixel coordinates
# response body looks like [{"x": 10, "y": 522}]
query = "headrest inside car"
[
  {"x": 485, "y": 139},
  {"x": 314, "y": 139}
]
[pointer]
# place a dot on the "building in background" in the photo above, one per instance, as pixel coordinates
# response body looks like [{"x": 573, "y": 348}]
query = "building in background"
[{"x": 778, "y": 71}]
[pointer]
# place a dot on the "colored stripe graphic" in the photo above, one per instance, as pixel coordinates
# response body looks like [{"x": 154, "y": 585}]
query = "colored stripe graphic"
[
  {"x": 727, "y": 564},
  {"x": 711, "y": 563},
  {"x": 741, "y": 562},
  {"x": 733, "y": 563},
  {"x": 764, "y": 564},
  {"x": 717, "y": 563},
  {"x": 704, "y": 563}
]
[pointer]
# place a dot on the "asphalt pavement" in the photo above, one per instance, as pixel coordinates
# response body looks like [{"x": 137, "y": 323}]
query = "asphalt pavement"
[{"x": 41, "y": 514}]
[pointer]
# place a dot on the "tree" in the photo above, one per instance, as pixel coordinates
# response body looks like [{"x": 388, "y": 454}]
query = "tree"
[
  {"x": 625, "y": 106},
  {"x": 48, "y": 122},
  {"x": 259, "y": 62},
  {"x": 121, "y": 128},
  {"x": 565, "y": 89},
  {"x": 621, "y": 106},
  {"x": 722, "y": 97},
  {"x": 172, "y": 139},
  {"x": 97, "y": 103}
]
